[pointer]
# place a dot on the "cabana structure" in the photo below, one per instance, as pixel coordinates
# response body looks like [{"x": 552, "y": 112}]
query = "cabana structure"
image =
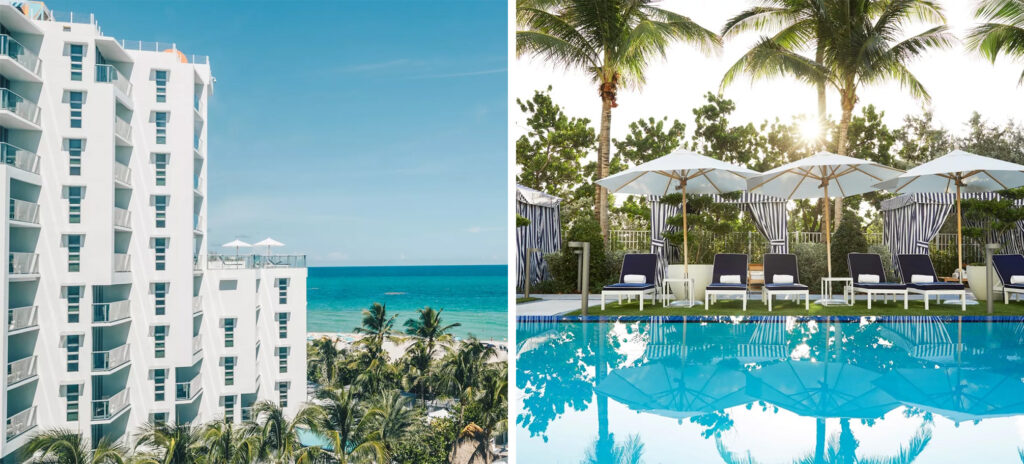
[{"x": 543, "y": 233}]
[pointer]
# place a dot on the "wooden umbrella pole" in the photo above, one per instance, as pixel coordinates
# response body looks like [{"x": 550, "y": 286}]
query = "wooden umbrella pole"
[
  {"x": 959, "y": 239},
  {"x": 828, "y": 232}
]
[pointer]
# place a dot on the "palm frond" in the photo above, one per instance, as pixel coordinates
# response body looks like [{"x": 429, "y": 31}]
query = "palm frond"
[
  {"x": 768, "y": 59},
  {"x": 760, "y": 18}
]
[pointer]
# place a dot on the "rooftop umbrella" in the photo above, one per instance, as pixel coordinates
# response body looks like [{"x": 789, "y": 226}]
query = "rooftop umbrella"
[
  {"x": 955, "y": 172},
  {"x": 236, "y": 243},
  {"x": 681, "y": 170},
  {"x": 815, "y": 175},
  {"x": 269, "y": 242}
]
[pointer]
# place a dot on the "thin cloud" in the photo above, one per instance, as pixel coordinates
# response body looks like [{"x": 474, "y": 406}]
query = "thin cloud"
[
  {"x": 377, "y": 66},
  {"x": 461, "y": 74}
]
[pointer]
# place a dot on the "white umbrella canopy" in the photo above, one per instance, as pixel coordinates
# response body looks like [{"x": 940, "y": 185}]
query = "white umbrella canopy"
[
  {"x": 268, "y": 242},
  {"x": 819, "y": 176},
  {"x": 958, "y": 171},
  {"x": 236, "y": 244}
]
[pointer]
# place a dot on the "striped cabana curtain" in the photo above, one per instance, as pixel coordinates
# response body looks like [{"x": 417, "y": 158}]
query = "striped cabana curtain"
[
  {"x": 660, "y": 212},
  {"x": 544, "y": 232},
  {"x": 910, "y": 222}
]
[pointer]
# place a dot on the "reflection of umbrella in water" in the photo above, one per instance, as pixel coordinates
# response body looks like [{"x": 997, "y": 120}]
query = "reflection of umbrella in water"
[
  {"x": 672, "y": 389},
  {"x": 959, "y": 394},
  {"x": 817, "y": 389}
]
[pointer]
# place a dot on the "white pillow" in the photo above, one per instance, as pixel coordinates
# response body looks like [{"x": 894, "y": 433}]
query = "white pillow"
[
  {"x": 634, "y": 279},
  {"x": 921, "y": 279},
  {"x": 782, "y": 279},
  {"x": 729, "y": 279},
  {"x": 1017, "y": 279},
  {"x": 867, "y": 278}
]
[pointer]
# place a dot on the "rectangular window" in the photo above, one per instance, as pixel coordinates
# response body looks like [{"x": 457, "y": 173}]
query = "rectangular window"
[
  {"x": 282, "y": 325},
  {"x": 229, "y": 371},
  {"x": 74, "y": 303},
  {"x": 282, "y": 291},
  {"x": 77, "y": 57},
  {"x": 160, "y": 252},
  {"x": 75, "y": 252},
  {"x": 158, "y": 418},
  {"x": 160, "y": 162},
  {"x": 160, "y": 204},
  {"x": 75, "y": 100},
  {"x": 282, "y": 359},
  {"x": 161, "y": 86},
  {"x": 229, "y": 332},
  {"x": 229, "y": 408},
  {"x": 73, "y": 393},
  {"x": 282, "y": 394},
  {"x": 74, "y": 344},
  {"x": 75, "y": 157},
  {"x": 159, "y": 341},
  {"x": 159, "y": 384},
  {"x": 160, "y": 298},
  {"x": 161, "y": 127},
  {"x": 75, "y": 205}
]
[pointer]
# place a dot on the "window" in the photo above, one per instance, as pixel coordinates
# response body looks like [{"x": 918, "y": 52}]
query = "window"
[
  {"x": 159, "y": 341},
  {"x": 282, "y": 325},
  {"x": 159, "y": 384},
  {"x": 75, "y": 157},
  {"x": 160, "y": 119},
  {"x": 282, "y": 394},
  {"x": 77, "y": 57},
  {"x": 229, "y": 332},
  {"x": 75, "y": 100},
  {"x": 229, "y": 408},
  {"x": 160, "y": 203},
  {"x": 229, "y": 370},
  {"x": 73, "y": 393},
  {"x": 282, "y": 359},
  {"x": 158, "y": 418},
  {"x": 160, "y": 252},
  {"x": 160, "y": 298},
  {"x": 75, "y": 205},
  {"x": 74, "y": 297},
  {"x": 74, "y": 344},
  {"x": 161, "y": 86},
  {"x": 75, "y": 252},
  {"x": 282, "y": 291},
  {"x": 160, "y": 162}
]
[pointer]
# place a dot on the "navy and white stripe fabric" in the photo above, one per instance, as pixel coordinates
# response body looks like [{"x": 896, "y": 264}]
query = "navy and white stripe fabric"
[
  {"x": 544, "y": 232},
  {"x": 666, "y": 252}
]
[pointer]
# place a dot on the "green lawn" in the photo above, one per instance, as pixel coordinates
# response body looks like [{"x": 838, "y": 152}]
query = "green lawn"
[
  {"x": 526, "y": 300},
  {"x": 790, "y": 308}
]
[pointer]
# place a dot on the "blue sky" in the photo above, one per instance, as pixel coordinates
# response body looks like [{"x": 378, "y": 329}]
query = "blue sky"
[{"x": 359, "y": 133}]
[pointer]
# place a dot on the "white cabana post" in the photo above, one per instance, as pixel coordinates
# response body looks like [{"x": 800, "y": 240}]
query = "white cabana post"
[
  {"x": 236, "y": 244},
  {"x": 956, "y": 172},
  {"x": 268, "y": 242}
]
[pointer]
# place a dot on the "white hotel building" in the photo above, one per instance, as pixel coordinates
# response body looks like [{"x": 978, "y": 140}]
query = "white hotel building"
[{"x": 116, "y": 313}]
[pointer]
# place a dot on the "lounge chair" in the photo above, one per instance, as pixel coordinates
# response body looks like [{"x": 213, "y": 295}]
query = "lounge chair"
[
  {"x": 782, "y": 277},
  {"x": 863, "y": 265},
  {"x": 734, "y": 267},
  {"x": 918, "y": 274},
  {"x": 637, "y": 278},
  {"x": 1008, "y": 267}
]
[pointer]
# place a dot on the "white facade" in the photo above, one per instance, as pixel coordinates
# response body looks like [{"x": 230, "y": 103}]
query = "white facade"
[{"x": 106, "y": 241}]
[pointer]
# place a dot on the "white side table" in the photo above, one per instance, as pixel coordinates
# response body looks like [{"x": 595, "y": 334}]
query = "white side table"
[
  {"x": 826, "y": 290},
  {"x": 687, "y": 282}
]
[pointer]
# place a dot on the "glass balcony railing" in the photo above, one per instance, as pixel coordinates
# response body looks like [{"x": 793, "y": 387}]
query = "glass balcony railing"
[
  {"x": 110, "y": 359},
  {"x": 18, "y": 105},
  {"x": 24, "y": 211},
  {"x": 197, "y": 304},
  {"x": 197, "y": 183},
  {"x": 20, "y": 370},
  {"x": 188, "y": 390},
  {"x": 21, "y": 422},
  {"x": 122, "y": 128},
  {"x": 17, "y": 51},
  {"x": 122, "y": 174},
  {"x": 197, "y": 223},
  {"x": 107, "y": 408},
  {"x": 122, "y": 218},
  {"x": 19, "y": 158},
  {"x": 197, "y": 344},
  {"x": 111, "y": 312},
  {"x": 22, "y": 318},
  {"x": 122, "y": 262},
  {"x": 215, "y": 261},
  {"x": 23, "y": 263},
  {"x": 108, "y": 73}
]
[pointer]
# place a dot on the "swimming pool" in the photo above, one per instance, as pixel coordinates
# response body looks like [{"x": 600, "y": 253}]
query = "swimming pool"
[{"x": 770, "y": 390}]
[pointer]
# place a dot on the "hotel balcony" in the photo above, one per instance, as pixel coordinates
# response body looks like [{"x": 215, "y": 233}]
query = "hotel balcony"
[
  {"x": 107, "y": 409},
  {"x": 122, "y": 132},
  {"x": 17, "y": 62},
  {"x": 215, "y": 261},
  {"x": 122, "y": 262},
  {"x": 19, "y": 158},
  {"x": 21, "y": 422},
  {"x": 197, "y": 305},
  {"x": 122, "y": 218},
  {"x": 110, "y": 360},
  {"x": 197, "y": 184},
  {"x": 23, "y": 264},
  {"x": 197, "y": 348},
  {"x": 16, "y": 112},
  {"x": 24, "y": 211},
  {"x": 111, "y": 313},
  {"x": 197, "y": 224},
  {"x": 122, "y": 174},
  {"x": 22, "y": 319},
  {"x": 21, "y": 371},
  {"x": 197, "y": 145},
  {"x": 108, "y": 73},
  {"x": 188, "y": 391}
]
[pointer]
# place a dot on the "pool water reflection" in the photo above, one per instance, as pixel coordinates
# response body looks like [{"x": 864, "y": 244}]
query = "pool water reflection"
[{"x": 771, "y": 390}]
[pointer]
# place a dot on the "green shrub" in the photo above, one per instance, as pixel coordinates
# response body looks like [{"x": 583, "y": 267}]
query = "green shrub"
[
  {"x": 945, "y": 260},
  {"x": 563, "y": 265},
  {"x": 881, "y": 250},
  {"x": 811, "y": 259},
  {"x": 848, "y": 238}
]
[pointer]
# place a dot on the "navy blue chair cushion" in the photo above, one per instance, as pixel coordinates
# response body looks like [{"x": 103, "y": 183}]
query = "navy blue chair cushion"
[
  {"x": 623, "y": 286},
  {"x": 720, "y": 286},
  {"x": 785, "y": 286},
  {"x": 881, "y": 286},
  {"x": 915, "y": 264},
  {"x": 1008, "y": 266},
  {"x": 729, "y": 264},
  {"x": 937, "y": 286},
  {"x": 1014, "y": 286},
  {"x": 778, "y": 263},
  {"x": 645, "y": 264}
]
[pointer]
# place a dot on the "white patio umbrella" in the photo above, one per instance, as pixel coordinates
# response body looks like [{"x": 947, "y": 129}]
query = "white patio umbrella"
[
  {"x": 236, "y": 244},
  {"x": 958, "y": 171},
  {"x": 815, "y": 175},
  {"x": 681, "y": 170},
  {"x": 268, "y": 242}
]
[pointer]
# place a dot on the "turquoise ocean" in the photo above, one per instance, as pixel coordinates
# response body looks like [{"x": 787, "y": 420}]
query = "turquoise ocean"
[{"x": 474, "y": 296}]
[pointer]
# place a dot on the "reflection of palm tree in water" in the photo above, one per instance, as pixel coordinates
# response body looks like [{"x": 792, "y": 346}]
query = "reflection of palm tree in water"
[
  {"x": 604, "y": 450},
  {"x": 842, "y": 449}
]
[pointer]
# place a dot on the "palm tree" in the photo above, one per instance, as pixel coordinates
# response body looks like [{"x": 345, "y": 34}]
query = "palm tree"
[
  {"x": 463, "y": 371},
  {"x": 279, "y": 436},
  {"x": 492, "y": 400},
  {"x": 430, "y": 328},
  {"x": 1002, "y": 32},
  {"x": 227, "y": 444},
  {"x": 60, "y": 446},
  {"x": 418, "y": 375},
  {"x": 340, "y": 421},
  {"x": 323, "y": 359},
  {"x": 611, "y": 40},
  {"x": 377, "y": 327},
  {"x": 163, "y": 443},
  {"x": 389, "y": 420}
]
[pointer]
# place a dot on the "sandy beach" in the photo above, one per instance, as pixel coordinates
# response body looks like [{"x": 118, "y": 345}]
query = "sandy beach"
[{"x": 397, "y": 350}]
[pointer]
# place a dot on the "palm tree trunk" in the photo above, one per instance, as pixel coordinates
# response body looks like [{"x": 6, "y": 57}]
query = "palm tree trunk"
[
  {"x": 819, "y": 58},
  {"x": 603, "y": 155},
  {"x": 848, "y": 100}
]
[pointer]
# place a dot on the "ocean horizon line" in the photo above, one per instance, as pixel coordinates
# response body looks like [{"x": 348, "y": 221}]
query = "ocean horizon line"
[{"x": 412, "y": 265}]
